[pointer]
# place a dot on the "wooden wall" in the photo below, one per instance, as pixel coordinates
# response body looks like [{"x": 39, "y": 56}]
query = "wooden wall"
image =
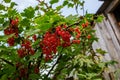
[{"x": 108, "y": 33}]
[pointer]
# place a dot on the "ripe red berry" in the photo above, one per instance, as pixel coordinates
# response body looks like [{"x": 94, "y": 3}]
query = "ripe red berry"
[
  {"x": 84, "y": 25},
  {"x": 34, "y": 37},
  {"x": 18, "y": 64},
  {"x": 77, "y": 30},
  {"x": 76, "y": 41},
  {"x": 32, "y": 51},
  {"x": 14, "y": 22},
  {"x": 78, "y": 36},
  {"x": 26, "y": 44},
  {"x": 49, "y": 43},
  {"x": 21, "y": 53},
  {"x": 23, "y": 72},
  {"x": 25, "y": 49},
  {"x": 89, "y": 36},
  {"x": 48, "y": 57},
  {"x": 17, "y": 79},
  {"x": 66, "y": 44},
  {"x": 11, "y": 41},
  {"x": 36, "y": 70}
]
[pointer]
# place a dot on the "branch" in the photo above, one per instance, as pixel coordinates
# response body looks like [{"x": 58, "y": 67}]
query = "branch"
[
  {"x": 48, "y": 7},
  {"x": 54, "y": 65},
  {"x": 93, "y": 54},
  {"x": 7, "y": 61},
  {"x": 59, "y": 72},
  {"x": 39, "y": 60},
  {"x": 76, "y": 23}
]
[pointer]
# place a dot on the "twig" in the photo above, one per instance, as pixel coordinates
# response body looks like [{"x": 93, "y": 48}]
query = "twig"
[
  {"x": 59, "y": 72},
  {"x": 76, "y": 23},
  {"x": 7, "y": 62},
  {"x": 54, "y": 65},
  {"x": 48, "y": 7},
  {"x": 39, "y": 60}
]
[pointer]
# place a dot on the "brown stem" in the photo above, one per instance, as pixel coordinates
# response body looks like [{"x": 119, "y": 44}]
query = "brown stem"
[
  {"x": 59, "y": 72},
  {"x": 48, "y": 7},
  {"x": 93, "y": 54},
  {"x": 7, "y": 61},
  {"x": 76, "y": 23},
  {"x": 39, "y": 60},
  {"x": 54, "y": 65}
]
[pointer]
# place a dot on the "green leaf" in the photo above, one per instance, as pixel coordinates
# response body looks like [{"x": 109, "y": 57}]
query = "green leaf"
[
  {"x": 5, "y": 48},
  {"x": 58, "y": 8},
  {"x": 7, "y": 1},
  {"x": 42, "y": 19},
  {"x": 72, "y": 18},
  {"x": 4, "y": 77},
  {"x": 103, "y": 52},
  {"x": 12, "y": 12},
  {"x": 44, "y": 26},
  {"x": 70, "y": 5},
  {"x": 4, "y": 38},
  {"x": 36, "y": 43},
  {"x": 1, "y": 20},
  {"x": 28, "y": 12},
  {"x": 99, "y": 18},
  {"x": 112, "y": 62},
  {"x": 54, "y": 1},
  {"x": 31, "y": 32},
  {"x": 2, "y": 7},
  {"x": 25, "y": 22},
  {"x": 34, "y": 76},
  {"x": 12, "y": 4},
  {"x": 35, "y": 56},
  {"x": 65, "y": 3},
  {"x": 6, "y": 24}
]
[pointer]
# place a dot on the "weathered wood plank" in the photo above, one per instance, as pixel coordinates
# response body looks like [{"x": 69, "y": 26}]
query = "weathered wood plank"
[
  {"x": 108, "y": 41},
  {"x": 115, "y": 26},
  {"x": 113, "y": 36},
  {"x": 112, "y": 6},
  {"x": 101, "y": 43}
]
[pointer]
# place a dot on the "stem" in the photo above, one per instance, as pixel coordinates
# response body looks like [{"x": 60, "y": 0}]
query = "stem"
[
  {"x": 39, "y": 60},
  {"x": 93, "y": 54},
  {"x": 48, "y": 7},
  {"x": 7, "y": 61},
  {"x": 76, "y": 23},
  {"x": 55, "y": 63},
  {"x": 83, "y": 9},
  {"x": 59, "y": 72}
]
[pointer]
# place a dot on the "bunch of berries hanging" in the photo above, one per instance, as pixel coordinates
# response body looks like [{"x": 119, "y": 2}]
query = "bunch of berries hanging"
[
  {"x": 25, "y": 49},
  {"x": 52, "y": 40},
  {"x": 12, "y": 29},
  {"x": 49, "y": 44}
]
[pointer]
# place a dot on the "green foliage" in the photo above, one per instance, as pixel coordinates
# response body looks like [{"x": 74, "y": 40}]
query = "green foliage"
[
  {"x": 24, "y": 41},
  {"x": 7, "y": 1},
  {"x": 13, "y": 4},
  {"x": 2, "y": 7},
  {"x": 54, "y": 1},
  {"x": 28, "y": 12},
  {"x": 101, "y": 51}
]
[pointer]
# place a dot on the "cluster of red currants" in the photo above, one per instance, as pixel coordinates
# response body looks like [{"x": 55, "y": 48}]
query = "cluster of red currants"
[
  {"x": 23, "y": 71},
  {"x": 60, "y": 37},
  {"x": 49, "y": 44},
  {"x": 12, "y": 29},
  {"x": 25, "y": 49},
  {"x": 84, "y": 25},
  {"x": 78, "y": 34}
]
